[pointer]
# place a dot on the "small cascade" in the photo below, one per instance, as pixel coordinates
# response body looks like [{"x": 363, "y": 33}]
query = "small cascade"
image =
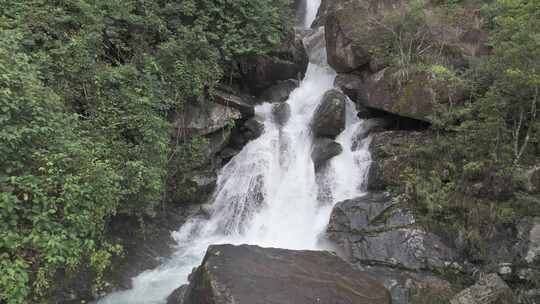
[{"x": 267, "y": 195}]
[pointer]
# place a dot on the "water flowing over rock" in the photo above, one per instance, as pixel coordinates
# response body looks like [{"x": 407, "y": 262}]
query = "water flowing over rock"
[
  {"x": 269, "y": 193},
  {"x": 323, "y": 150},
  {"x": 329, "y": 118},
  {"x": 281, "y": 112},
  {"x": 254, "y": 275}
]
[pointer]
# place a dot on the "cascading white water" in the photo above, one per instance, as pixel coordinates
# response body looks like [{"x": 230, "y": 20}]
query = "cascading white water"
[{"x": 267, "y": 195}]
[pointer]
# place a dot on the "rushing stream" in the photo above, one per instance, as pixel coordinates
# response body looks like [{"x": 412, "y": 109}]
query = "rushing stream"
[{"x": 269, "y": 194}]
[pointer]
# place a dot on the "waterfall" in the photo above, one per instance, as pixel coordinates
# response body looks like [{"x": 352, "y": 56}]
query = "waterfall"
[{"x": 268, "y": 195}]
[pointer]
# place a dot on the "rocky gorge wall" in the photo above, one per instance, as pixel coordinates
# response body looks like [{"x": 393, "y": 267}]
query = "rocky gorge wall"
[{"x": 380, "y": 233}]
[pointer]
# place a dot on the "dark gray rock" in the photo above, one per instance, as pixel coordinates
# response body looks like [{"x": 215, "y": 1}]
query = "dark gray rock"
[
  {"x": 281, "y": 112},
  {"x": 288, "y": 61},
  {"x": 227, "y": 99},
  {"x": 344, "y": 54},
  {"x": 254, "y": 275},
  {"x": 217, "y": 141},
  {"x": 177, "y": 297},
  {"x": 374, "y": 230},
  {"x": 323, "y": 150},
  {"x": 329, "y": 118},
  {"x": 490, "y": 289},
  {"x": 279, "y": 92},
  {"x": 228, "y": 153},
  {"x": 315, "y": 45},
  {"x": 410, "y": 248},
  {"x": 192, "y": 187},
  {"x": 353, "y": 86},
  {"x": 408, "y": 287},
  {"x": 373, "y": 125},
  {"x": 252, "y": 129}
]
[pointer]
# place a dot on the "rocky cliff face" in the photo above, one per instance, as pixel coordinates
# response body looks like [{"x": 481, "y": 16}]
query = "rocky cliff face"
[
  {"x": 381, "y": 232},
  {"x": 369, "y": 43}
]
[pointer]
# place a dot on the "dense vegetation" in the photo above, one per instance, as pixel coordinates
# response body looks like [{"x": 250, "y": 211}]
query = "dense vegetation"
[
  {"x": 86, "y": 91},
  {"x": 470, "y": 175}
]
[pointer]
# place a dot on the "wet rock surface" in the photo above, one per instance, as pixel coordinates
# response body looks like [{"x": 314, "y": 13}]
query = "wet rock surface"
[
  {"x": 329, "y": 118},
  {"x": 281, "y": 112},
  {"x": 279, "y": 92},
  {"x": 382, "y": 237},
  {"x": 323, "y": 150},
  {"x": 254, "y": 275}
]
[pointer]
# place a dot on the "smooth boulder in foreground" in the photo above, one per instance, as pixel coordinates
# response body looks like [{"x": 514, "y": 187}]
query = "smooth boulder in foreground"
[{"x": 253, "y": 275}]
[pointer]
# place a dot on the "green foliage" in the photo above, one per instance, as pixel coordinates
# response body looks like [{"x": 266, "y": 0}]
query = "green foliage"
[
  {"x": 56, "y": 192},
  {"x": 87, "y": 91},
  {"x": 468, "y": 179}
]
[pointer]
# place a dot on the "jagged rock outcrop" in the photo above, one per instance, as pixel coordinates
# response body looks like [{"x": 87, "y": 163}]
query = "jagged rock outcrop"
[
  {"x": 355, "y": 35},
  {"x": 204, "y": 120},
  {"x": 414, "y": 96},
  {"x": 323, "y": 150},
  {"x": 329, "y": 118},
  {"x": 379, "y": 235},
  {"x": 254, "y": 275},
  {"x": 346, "y": 50},
  {"x": 490, "y": 289}
]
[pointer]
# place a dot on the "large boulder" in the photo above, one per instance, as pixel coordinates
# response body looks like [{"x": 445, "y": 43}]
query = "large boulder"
[
  {"x": 490, "y": 289},
  {"x": 254, "y": 275},
  {"x": 415, "y": 96},
  {"x": 289, "y": 61},
  {"x": 379, "y": 235},
  {"x": 329, "y": 118},
  {"x": 375, "y": 230},
  {"x": 323, "y": 150},
  {"x": 412, "y": 287},
  {"x": 359, "y": 31},
  {"x": 346, "y": 53},
  {"x": 279, "y": 92}
]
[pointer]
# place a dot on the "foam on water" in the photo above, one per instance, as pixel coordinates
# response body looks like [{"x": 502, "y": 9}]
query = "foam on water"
[{"x": 269, "y": 194}]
